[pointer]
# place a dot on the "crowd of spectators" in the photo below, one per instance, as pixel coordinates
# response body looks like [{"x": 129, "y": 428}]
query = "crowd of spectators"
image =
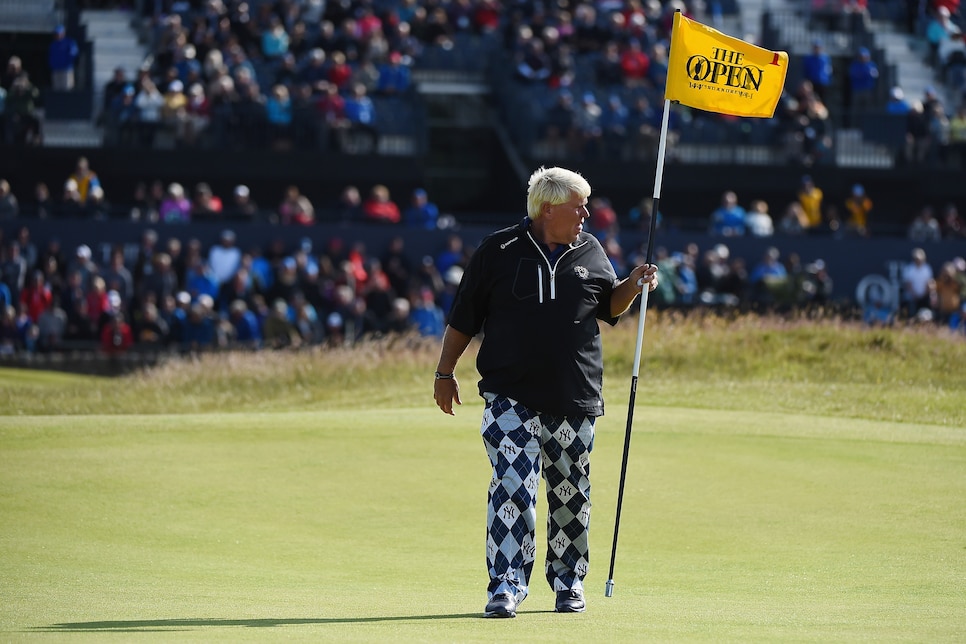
[
  {"x": 299, "y": 73},
  {"x": 923, "y": 296},
  {"x": 84, "y": 197},
  {"x": 928, "y": 295},
  {"x": 598, "y": 72},
  {"x": 809, "y": 212},
  {"x": 934, "y": 133},
  {"x": 713, "y": 278},
  {"x": 787, "y": 282},
  {"x": 275, "y": 74},
  {"x": 176, "y": 295}
]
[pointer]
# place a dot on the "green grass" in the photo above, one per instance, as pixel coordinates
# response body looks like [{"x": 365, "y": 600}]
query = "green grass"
[
  {"x": 367, "y": 526},
  {"x": 287, "y": 497},
  {"x": 828, "y": 369}
]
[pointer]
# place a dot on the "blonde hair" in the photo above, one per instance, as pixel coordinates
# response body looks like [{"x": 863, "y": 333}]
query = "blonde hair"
[{"x": 554, "y": 186}]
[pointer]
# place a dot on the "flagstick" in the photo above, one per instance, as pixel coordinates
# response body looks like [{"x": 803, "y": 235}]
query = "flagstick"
[{"x": 659, "y": 176}]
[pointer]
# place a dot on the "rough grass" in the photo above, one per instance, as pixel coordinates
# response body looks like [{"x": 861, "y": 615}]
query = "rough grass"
[
  {"x": 828, "y": 368},
  {"x": 834, "y": 368}
]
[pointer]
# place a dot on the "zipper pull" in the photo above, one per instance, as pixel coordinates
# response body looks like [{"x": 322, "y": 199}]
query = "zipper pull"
[{"x": 540, "y": 283}]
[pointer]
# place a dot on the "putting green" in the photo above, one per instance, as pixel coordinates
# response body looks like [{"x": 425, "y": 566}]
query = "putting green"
[{"x": 367, "y": 525}]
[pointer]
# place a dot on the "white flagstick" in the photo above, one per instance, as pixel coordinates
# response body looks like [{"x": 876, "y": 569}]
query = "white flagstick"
[{"x": 659, "y": 176}]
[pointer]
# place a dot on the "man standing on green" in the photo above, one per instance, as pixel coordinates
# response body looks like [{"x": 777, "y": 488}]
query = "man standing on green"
[{"x": 536, "y": 290}]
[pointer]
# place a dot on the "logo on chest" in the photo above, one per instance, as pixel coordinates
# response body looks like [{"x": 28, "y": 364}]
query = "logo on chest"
[{"x": 581, "y": 272}]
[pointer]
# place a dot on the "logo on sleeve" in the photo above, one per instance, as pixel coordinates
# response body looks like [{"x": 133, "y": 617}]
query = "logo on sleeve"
[{"x": 581, "y": 272}]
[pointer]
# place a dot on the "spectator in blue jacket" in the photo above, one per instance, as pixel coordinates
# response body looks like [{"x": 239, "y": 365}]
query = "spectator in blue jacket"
[
  {"x": 422, "y": 213},
  {"x": 62, "y": 56},
  {"x": 426, "y": 315},
  {"x": 863, "y": 79},
  {"x": 394, "y": 76},
  {"x": 200, "y": 281},
  {"x": 198, "y": 333},
  {"x": 769, "y": 279},
  {"x": 275, "y": 40},
  {"x": 728, "y": 219},
  {"x": 685, "y": 279},
  {"x": 278, "y": 110},
  {"x": 361, "y": 114},
  {"x": 897, "y": 103},
  {"x": 769, "y": 268},
  {"x": 817, "y": 68},
  {"x": 247, "y": 331}
]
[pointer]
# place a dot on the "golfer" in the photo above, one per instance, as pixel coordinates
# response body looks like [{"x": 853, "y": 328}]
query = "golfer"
[{"x": 536, "y": 291}]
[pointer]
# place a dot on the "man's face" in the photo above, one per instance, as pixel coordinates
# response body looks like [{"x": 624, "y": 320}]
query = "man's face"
[{"x": 565, "y": 221}]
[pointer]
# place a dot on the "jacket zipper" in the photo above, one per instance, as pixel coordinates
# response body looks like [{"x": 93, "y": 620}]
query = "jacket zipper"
[
  {"x": 540, "y": 282},
  {"x": 551, "y": 269}
]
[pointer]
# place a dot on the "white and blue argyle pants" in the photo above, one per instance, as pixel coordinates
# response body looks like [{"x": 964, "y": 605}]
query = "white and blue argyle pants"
[{"x": 520, "y": 442}]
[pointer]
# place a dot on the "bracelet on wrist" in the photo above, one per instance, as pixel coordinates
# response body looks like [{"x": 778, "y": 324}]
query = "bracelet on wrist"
[{"x": 445, "y": 376}]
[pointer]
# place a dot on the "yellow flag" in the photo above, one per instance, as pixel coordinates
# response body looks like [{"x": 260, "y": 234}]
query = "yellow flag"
[{"x": 717, "y": 73}]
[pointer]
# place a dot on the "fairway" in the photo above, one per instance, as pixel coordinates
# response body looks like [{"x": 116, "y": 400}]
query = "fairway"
[{"x": 367, "y": 525}]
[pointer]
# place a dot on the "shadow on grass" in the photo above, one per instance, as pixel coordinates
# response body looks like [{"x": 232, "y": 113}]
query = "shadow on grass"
[{"x": 163, "y": 625}]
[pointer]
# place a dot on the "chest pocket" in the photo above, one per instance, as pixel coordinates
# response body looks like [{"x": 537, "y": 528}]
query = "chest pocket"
[
  {"x": 527, "y": 281},
  {"x": 581, "y": 289}
]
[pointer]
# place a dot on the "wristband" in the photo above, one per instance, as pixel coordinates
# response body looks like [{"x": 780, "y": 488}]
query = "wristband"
[{"x": 445, "y": 376}]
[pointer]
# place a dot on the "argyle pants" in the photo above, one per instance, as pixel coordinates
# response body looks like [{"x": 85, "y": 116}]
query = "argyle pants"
[{"x": 520, "y": 442}]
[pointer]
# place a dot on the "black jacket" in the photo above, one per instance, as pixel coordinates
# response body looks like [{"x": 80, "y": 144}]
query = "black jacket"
[{"x": 541, "y": 342}]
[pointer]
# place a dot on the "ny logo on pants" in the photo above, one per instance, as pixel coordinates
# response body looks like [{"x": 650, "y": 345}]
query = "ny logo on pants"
[{"x": 521, "y": 442}]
